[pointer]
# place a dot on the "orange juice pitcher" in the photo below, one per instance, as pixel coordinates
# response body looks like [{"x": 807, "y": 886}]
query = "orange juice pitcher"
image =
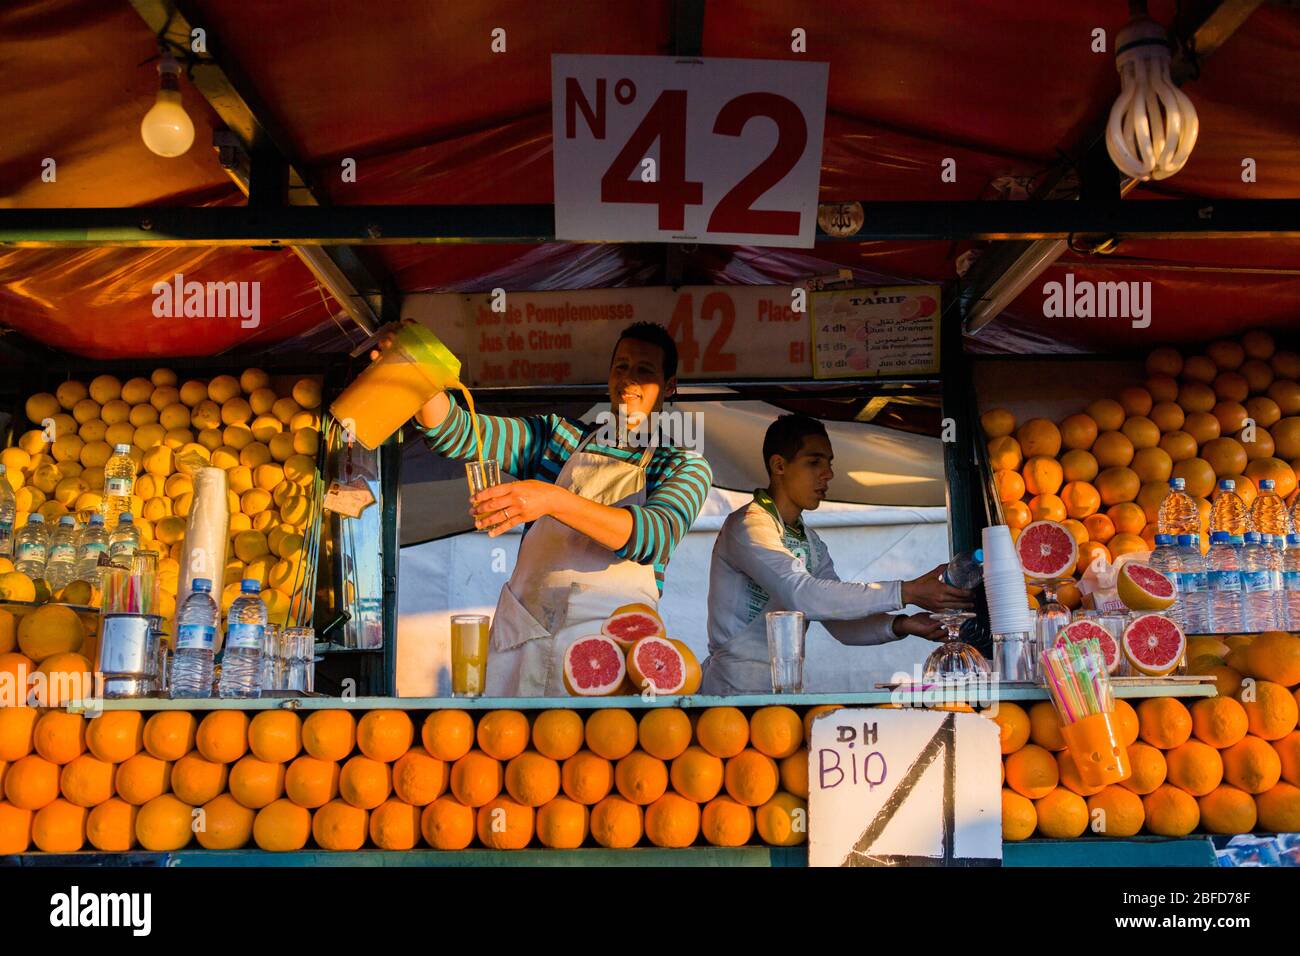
[{"x": 396, "y": 385}]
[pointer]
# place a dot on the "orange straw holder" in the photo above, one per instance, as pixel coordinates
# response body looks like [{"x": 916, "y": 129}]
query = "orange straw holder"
[{"x": 1097, "y": 751}]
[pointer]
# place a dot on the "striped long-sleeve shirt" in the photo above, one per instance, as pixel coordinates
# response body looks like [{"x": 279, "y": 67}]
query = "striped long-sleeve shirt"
[{"x": 677, "y": 481}]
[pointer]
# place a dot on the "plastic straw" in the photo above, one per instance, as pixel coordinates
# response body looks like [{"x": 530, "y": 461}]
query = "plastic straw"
[{"x": 1076, "y": 678}]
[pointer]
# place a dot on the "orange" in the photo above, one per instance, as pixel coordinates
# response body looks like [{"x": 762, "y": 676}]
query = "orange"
[
  {"x": 1167, "y": 416},
  {"x": 1016, "y": 514},
  {"x": 1038, "y": 436},
  {"x": 1226, "y": 354},
  {"x": 775, "y": 731},
  {"x": 616, "y": 823},
  {"x": 1179, "y": 446},
  {"x": 385, "y": 735},
  {"x": 1141, "y": 432},
  {"x": 558, "y": 733},
  {"x": 86, "y": 781},
  {"x": 1042, "y": 476},
  {"x": 1069, "y": 774},
  {"x": 1010, "y": 486},
  {"x": 110, "y": 827},
  {"x": 1219, "y": 721},
  {"x": 724, "y": 822},
  {"x": 169, "y": 734},
  {"x": 419, "y": 779},
  {"x": 1013, "y": 726},
  {"x": 1062, "y": 814},
  {"x": 1227, "y": 809},
  {"x": 782, "y": 821},
  {"x": 275, "y": 736},
  {"x": 329, "y": 734},
  {"x": 810, "y": 716},
  {"x": 1127, "y": 517},
  {"x": 1196, "y": 397},
  {"x": 1078, "y": 432},
  {"x": 310, "y": 782},
  {"x": 1019, "y": 818},
  {"x": 1250, "y": 764},
  {"x": 447, "y": 824},
  {"x": 1170, "y": 811},
  {"x": 50, "y": 630},
  {"x": 61, "y": 678},
  {"x": 256, "y": 783},
  {"x": 1266, "y": 414},
  {"x": 586, "y": 777},
  {"x": 1272, "y": 712},
  {"x": 1227, "y": 681},
  {"x": 1107, "y": 413},
  {"x": 1113, "y": 449},
  {"x": 722, "y": 731},
  {"x": 1089, "y": 552},
  {"x": 1163, "y": 388},
  {"x": 1231, "y": 413},
  {"x": 448, "y": 734},
  {"x": 997, "y": 422},
  {"x": 1225, "y": 455},
  {"x": 503, "y": 734},
  {"x": 672, "y": 821},
  {"x": 282, "y": 827},
  {"x": 1288, "y": 752},
  {"x": 505, "y": 825},
  {"x": 1118, "y": 485},
  {"x": 1164, "y": 361},
  {"x": 1200, "y": 368},
  {"x": 1116, "y": 812},
  {"x": 1100, "y": 528},
  {"x": 1004, "y": 454},
  {"x": 59, "y": 736},
  {"x": 15, "y": 674},
  {"x": 751, "y": 777},
  {"x": 1077, "y": 530},
  {"x": 1136, "y": 401},
  {"x": 1081, "y": 499},
  {"x": 666, "y": 732},
  {"x": 641, "y": 778},
  {"x": 532, "y": 779},
  {"x": 697, "y": 774},
  {"x": 794, "y": 773},
  {"x": 338, "y": 825},
  {"x": 1078, "y": 465},
  {"x": 59, "y": 827},
  {"x": 1148, "y": 769},
  {"x": 1044, "y": 727},
  {"x": 1195, "y": 767},
  {"x": 395, "y": 825},
  {"x": 31, "y": 782},
  {"x": 196, "y": 780},
  {"x": 475, "y": 779},
  {"x": 1153, "y": 465},
  {"x": 1258, "y": 344},
  {"x": 1164, "y": 722},
  {"x": 1286, "y": 393},
  {"x": 562, "y": 824},
  {"x": 1286, "y": 435},
  {"x": 1047, "y": 508},
  {"x": 1203, "y": 427},
  {"x": 141, "y": 778},
  {"x": 15, "y": 829},
  {"x": 222, "y": 736},
  {"x": 1150, "y": 498},
  {"x": 1032, "y": 771},
  {"x": 164, "y": 824},
  {"x": 1279, "y": 808},
  {"x": 1282, "y": 474}
]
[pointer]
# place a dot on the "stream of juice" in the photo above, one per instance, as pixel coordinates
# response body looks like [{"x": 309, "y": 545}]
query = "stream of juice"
[{"x": 469, "y": 403}]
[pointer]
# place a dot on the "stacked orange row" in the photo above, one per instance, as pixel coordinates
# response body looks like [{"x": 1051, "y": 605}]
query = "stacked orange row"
[{"x": 127, "y": 780}]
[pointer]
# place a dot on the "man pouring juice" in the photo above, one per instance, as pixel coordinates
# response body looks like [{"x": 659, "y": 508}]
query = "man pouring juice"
[{"x": 601, "y": 519}]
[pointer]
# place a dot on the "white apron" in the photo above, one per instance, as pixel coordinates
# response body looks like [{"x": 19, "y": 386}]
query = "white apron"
[{"x": 565, "y": 584}]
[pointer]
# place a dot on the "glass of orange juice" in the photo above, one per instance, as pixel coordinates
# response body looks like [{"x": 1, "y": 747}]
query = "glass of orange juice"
[{"x": 469, "y": 652}]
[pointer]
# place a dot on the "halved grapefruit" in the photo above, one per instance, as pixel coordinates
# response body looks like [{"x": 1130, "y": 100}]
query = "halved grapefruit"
[
  {"x": 656, "y": 660},
  {"x": 1086, "y": 630},
  {"x": 693, "y": 672},
  {"x": 631, "y": 622},
  {"x": 1143, "y": 588},
  {"x": 593, "y": 667},
  {"x": 1154, "y": 645},
  {"x": 1047, "y": 551}
]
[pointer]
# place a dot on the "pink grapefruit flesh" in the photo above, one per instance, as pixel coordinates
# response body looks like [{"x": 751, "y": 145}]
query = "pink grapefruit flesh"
[
  {"x": 1143, "y": 588},
  {"x": 1086, "y": 630},
  {"x": 593, "y": 666},
  {"x": 1154, "y": 644},
  {"x": 1047, "y": 551},
  {"x": 628, "y": 627},
  {"x": 657, "y": 661}
]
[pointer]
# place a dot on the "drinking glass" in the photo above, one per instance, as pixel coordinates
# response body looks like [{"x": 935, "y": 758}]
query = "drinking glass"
[
  {"x": 954, "y": 659},
  {"x": 271, "y": 658},
  {"x": 299, "y": 658},
  {"x": 1052, "y": 615},
  {"x": 785, "y": 643},
  {"x": 482, "y": 475},
  {"x": 469, "y": 653}
]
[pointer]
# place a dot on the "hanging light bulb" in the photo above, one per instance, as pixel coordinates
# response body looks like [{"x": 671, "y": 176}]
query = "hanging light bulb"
[
  {"x": 166, "y": 128},
  {"x": 1153, "y": 124}
]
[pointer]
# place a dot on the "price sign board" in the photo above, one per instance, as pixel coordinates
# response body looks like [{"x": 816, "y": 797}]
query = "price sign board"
[
  {"x": 659, "y": 149},
  {"x": 904, "y": 788},
  {"x": 862, "y": 333}
]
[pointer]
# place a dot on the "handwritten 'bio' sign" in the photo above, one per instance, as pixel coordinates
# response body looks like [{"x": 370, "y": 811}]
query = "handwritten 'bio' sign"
[
  {"x": 904, "y": 788},
  {"x": 660, "y": 149}
]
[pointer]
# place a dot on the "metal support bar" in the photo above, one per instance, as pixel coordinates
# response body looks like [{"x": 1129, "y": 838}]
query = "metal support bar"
[{"x": 964, "y": 520}]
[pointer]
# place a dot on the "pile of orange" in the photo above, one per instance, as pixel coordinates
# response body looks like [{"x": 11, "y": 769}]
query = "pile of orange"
[
  {"x": 1221, "y": 765},
  {"x": 340, "y": 781},
  {"x": 1232, "y": 412}
]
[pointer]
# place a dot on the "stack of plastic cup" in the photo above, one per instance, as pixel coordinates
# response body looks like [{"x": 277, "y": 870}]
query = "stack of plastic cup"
[{"x": 1010, "y": 619}]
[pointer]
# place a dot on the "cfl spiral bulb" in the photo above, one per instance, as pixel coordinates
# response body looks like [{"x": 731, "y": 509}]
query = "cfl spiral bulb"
[
  {"x": 1153, "y": 124},
  {"x": 167, "y": 129}
]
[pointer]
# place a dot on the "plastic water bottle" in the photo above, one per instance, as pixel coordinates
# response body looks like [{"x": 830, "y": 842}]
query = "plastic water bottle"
[
  {"x": 1178, "y": 512},
  {"x": 1227, "y": 510},
  {"x": 1224, "y": 574},
  {"x": 1168, "y": 561},
  {"x": 1291, "y": 582},
  {"x": 1295, "y": 518},
  {"x": 196, "y": 640},
  {"x": 241, "y": 658},
  {"x": 1193, "y": 585},
  {"x": 31, "y": 545},
  {"x": 965, "y": 570},
  {"x": 93, "y": 543},
  {"x": 61, "y": 561},
  {"x": 124, "y": 541},
  {"x": 1268, "y": 511},
  {"x": 1273, "y": 545},
  {"x": 1259, "y": 604},
  {"x": 119, "y": 482},
  {"x": 8, "y": 512}
]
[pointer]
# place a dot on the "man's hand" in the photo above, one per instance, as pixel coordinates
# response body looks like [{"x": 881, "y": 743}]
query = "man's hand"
[
  {"x": 930, "y": 592},
  {"x": 502, "y": 507},
  {"x": 919, "y": 625}
]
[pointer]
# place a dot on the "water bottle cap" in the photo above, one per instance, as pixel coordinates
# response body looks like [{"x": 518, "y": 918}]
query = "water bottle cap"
[
  {"x": 1220, "y": 537},
  {"x": 1252, "y": 537},
  {"x": 96, "y": 519},
  {"x": 1293, "y": 540},
  {"x": 1266, "y": 484},
  {"x": 1235, "y": 540},
  {"x": 250, "y": 586},
  {"x": 201, "y": 584},
  {"x": 1186, "y": 540},
  {"x": 978, "y": 555},
  {"x": 67, "y": 521},
  {"x": 1227, "y": 484},
  {"x": 35, "y": 517},
  {"x": 1164, "y": 539},
  {"x": 124, "y": 518},
  {"x": 1178, "y": 484},
  {"x": 121, "y": 449}
]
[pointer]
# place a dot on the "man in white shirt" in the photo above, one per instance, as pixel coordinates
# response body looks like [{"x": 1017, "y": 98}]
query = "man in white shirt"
[{"x": 765, "y": 560}]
